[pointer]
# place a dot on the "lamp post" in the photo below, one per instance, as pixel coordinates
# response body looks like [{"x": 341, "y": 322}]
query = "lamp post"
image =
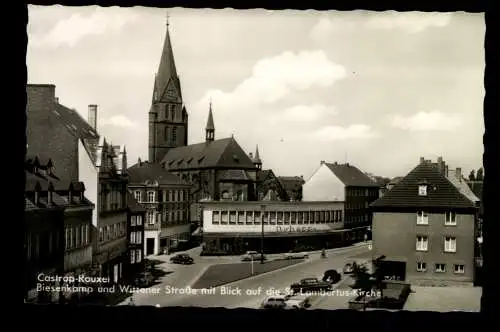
[{"x": 263, "y": 208}]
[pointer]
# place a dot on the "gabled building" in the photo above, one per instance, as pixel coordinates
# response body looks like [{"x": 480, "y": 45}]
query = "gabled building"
[
  {"x": 82, "y": 155},
  {"x": 344, "y": 183},
  {"x": 58, "y": 221},
  {"x": 166, "y": 199},
  {"x": 218, "y": 169},
  {"x": 425, "y": 227}
]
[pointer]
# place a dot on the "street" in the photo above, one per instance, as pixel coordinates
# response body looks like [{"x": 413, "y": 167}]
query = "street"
[{"x": 252, "y": 290}]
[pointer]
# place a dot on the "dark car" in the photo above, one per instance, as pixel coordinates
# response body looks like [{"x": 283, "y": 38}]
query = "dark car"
[
  {"x": 182, "y": 259},
  {"x": 332, "y": 276},
  {"x": 145, "y": 279},
  {"x": 310, "y": 285},
  {"x": 252, "y": 256},
  {"x": 274, "y": 302}
]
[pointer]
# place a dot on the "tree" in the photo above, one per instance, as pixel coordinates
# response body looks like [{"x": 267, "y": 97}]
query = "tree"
[
  {"x": 472, "y": 176},
  {"x": 479, "y": 174},
  {"x": 362, "y": 282}
]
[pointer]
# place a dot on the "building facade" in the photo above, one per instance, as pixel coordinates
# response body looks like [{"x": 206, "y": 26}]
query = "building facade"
[
  {"x": 69, "y": 243},
  {"x": 217, "y": 169},
  {"x": 135, "y": 235},
  {"x": 82, "y": 155},
  {"x": 236, "y": 227},
  {"x": 425, "y": 227},
  {"x": 166, "y": 199},
  {"x": 345, "y": 183},
  {"x": 168, "y": 118}
]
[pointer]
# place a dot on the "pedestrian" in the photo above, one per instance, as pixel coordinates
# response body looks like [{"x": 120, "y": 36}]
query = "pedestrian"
[
  {"x": 366, "y": 237},
  {"x": 131, "y": 301}
]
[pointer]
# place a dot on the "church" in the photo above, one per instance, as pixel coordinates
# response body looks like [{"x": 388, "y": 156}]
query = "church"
[{"x": 218, "y": 169}]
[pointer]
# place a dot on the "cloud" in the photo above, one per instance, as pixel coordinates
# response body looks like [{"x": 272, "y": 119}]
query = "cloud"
[
  {"x": 412, "y": 22},
  {"x": 276, "y": 77},
  {"x": 428, "y": 121},
  {"x": 351, "y": 132},
  {"x": 71, "y": 30},
  {"x": 307, "y": 113},
  {"x": 118, "y": 121}
]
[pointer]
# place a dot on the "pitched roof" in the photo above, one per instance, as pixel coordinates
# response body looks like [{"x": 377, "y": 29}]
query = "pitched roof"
[
  {"x": 477, "y": 188},
  {"x": 291, "y": 182},
  {"x": 351, "y": 176},
  {"x": 233, "y": 175},
  {"x": 145, "y": 171},
  {"x": 221, "y": 153},
  {"x": 441, "y": 193},
  {"x": 76, "y": 125},
  {"x": 459, "y": 182},
  {"x": 210, "y": 121},
  {"x": 132, "y": 203},
  {"x": 256, "y": 157},
  {"x": 262, "y": 175}
]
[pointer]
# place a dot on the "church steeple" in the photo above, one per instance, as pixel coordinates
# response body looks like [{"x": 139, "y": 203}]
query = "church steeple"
[
  {"x": 256, "y": 159},
  {"x": 167, "y": 84},
  {"x": 168, "y": 118},
  {"x": 210, "y": 127}
]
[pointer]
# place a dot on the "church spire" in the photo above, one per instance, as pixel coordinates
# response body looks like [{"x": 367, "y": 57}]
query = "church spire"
[
  {"x": 167, "y": 78},
  {"x": 256, "y": 159},
  {"x": 210, "y": 128}
]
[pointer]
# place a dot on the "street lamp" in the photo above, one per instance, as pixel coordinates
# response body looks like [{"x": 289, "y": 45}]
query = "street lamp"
[{"x": 263, "y": 208}]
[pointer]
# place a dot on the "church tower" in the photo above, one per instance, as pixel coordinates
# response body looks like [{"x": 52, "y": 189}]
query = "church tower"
[
  {"x": 256, "y": 159},
  {"x": 168, "y": 118}
]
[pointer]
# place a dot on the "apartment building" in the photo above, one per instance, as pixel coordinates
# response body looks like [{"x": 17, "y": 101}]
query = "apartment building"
[{"x": 425, "y": 227}]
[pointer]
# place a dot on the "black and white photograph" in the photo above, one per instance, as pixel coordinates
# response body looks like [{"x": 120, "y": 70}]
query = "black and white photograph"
[{"x": 262, "y": 159}]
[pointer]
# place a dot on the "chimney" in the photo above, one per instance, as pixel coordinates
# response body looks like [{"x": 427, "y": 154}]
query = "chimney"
[
  {"x": 57, "y": 100},
  {"x": 70, "y": 194},
  {"x": 322, "y": 162},
  {"x": 92, "y": 117},
  {"x": 38, "y": 188},
  {"x": 250, "y": 155},
  {"x": 458, "y": 174},
  {"x": 422, "y": 160},
  {"x": 446, "y": 171}
]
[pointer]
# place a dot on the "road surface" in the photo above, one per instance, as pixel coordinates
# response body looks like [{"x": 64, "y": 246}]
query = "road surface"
[{"x": 252, "y": 291}]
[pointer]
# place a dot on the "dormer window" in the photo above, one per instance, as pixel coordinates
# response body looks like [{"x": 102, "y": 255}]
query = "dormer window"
[{"x": 422, "y": 190}]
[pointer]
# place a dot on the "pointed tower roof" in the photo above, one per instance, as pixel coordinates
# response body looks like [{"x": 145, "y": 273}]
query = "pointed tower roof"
[
  {"x": 256, "y": 158},
  {"x": 167, "y": 70},
  {"x": 210, "y": 121}
]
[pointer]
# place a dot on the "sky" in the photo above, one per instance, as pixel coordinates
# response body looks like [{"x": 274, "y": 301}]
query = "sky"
[{"x": 375, "y": 89}]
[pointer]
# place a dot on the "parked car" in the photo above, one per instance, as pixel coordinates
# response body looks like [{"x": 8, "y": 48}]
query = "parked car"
[
  {"x": 295, "y": 254},
  {"x": 274, "y": 302},
  {"x": 332, "y": 276},
  {"x": 297, "y": 302},
  {"x": 310, "y": 285},
  {"x": 252, "y": 255},
  {"x": 144, "y": 279},
  {"x": 182, "y": 259}
]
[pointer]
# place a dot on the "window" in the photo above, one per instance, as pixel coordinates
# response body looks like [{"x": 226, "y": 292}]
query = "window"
[
  {"x": 165, "y": 134},
  {"x": 459, "y": 268},
  {"x": 422, "y": 190},
  {"x": 139, "y": 220},
  {"x": 440, "y": 267},
  {"x": 138, "y": 237},
  {"x": 138, "y": 255},
  {"x": 133, "y": 220},
  {"x": 151, "y": 218},
  {"x": 293, "y": 217},
  {"x": 450, "y": 219},
  {"x": 215, "y": 217},
  {"x": 224, "y": 217},
  {"x": 132, "y": 257},
  {"x": 181, "y": 194},
  {"x": 422, "y": 218},
  {"x": 132, "y": 237},
  {"x": 77, "y": 236},
  {"x": 280, "y": 217},
  {"x": 66, "y": 238},
  {"x": 450, "y": 244},
  {"x": 422, "y": 243},
  {"x": 421, "y": 267},
  {"x": 101, "y": 234},
  {"x": 151, "y": 196},
  {"x": 232, "y": 217},
  {"x": 174, "y": 135}
]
